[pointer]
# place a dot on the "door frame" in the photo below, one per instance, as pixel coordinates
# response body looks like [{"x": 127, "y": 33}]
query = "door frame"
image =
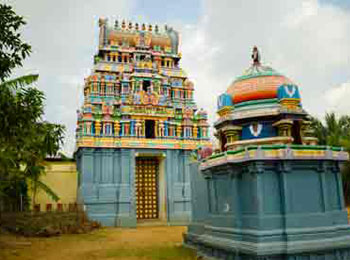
[{"x": 162, "y": 192}]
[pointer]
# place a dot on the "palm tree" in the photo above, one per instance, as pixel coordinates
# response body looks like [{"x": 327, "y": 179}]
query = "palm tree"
[
  {"x": 21, "y": 81},
  {"x": 335, "y": 131}
]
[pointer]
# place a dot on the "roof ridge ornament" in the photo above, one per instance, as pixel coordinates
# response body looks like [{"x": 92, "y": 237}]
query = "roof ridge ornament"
[{"x": 256, "y": 56}]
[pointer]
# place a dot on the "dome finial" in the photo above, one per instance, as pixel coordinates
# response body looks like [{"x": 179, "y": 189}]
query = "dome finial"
[{"x": 256, "y": 56}]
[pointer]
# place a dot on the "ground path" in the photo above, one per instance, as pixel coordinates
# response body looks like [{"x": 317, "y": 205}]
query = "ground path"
[{"x": 109, "y": 243}]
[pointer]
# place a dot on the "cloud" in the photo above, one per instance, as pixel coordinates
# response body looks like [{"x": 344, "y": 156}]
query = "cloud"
[
  {"x": 64, "y": 36},
  {"x": 337, "y": 98},
  {"x": 305, "y": 40}
]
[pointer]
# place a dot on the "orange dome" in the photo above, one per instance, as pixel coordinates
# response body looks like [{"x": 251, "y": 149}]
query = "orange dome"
[{"x": 258, "y": 82}]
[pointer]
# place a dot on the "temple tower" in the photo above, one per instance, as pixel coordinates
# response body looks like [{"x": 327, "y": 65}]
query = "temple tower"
[{"x": 137, "y": 128}]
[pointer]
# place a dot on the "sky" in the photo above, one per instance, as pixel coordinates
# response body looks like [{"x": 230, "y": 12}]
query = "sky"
[{"x": 306, "y": 40}]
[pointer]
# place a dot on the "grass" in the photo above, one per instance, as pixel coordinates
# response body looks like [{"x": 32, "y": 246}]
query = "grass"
[
  {"x": 157, "y": 253},
  {"x": 108, "y": 243}
]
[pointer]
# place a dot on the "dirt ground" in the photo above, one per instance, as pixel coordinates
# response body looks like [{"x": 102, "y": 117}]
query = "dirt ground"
[{"x": 108, "y": 243}]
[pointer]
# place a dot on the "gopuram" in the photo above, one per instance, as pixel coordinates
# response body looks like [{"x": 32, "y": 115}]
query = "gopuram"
[
  {"x": 137, "y": 128},
  {"x": 271, "y": 192}
]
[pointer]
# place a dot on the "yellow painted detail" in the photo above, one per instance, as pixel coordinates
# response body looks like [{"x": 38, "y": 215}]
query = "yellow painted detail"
[
  {"x": 141, "y": 143},
  {"x": 61, "y": 177}
]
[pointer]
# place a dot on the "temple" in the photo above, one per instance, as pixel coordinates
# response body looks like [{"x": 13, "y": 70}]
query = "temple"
[
  {"x": 137, "y": 128},
  {"x": 270, "y": 192}
]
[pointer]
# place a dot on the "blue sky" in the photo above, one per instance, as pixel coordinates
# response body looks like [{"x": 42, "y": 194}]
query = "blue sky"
[
  {"x": 307, "y": 40},
  {"x": 339, "y": 3}
]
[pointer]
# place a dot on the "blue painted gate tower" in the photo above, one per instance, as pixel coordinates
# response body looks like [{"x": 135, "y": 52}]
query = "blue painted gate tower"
[{"x": 137, "y": 128}]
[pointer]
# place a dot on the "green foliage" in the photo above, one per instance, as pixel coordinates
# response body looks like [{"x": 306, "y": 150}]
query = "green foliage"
[
  {"x": 335, "y": 132},
  {"x": 12, "y": 49},
  {"x": 25, "y": 139},
  {"x": 20, "y": 82}
]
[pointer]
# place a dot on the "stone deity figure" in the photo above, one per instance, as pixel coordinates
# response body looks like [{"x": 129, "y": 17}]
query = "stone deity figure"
[
  {"x": 89, "y": 128},
  {"x": 127, "y": 127},
  {"x": 204, "y": 131},
  {"x": 256, "y": 56},
  {"x": 138, "y": 128},
  {"x": 161, "y": 128}
]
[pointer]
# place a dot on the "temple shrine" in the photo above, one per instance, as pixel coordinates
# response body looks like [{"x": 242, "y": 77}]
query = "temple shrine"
[
  {"x": 137, "y": 128},
  {"x": 269, "y": 192}
]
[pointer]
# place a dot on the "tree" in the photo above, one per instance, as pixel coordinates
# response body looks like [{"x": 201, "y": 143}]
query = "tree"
[
  {"x": 12, "y": 49},
  {"x": 335, "y": 132},
  {"x": 25, "y": 139}
]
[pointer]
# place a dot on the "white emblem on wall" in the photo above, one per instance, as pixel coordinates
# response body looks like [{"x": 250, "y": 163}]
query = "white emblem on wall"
[
  {"x": 220, "y": 103},
  {"x": 255, "y": 129},
  {"x": 226, "y": 207},
  {"x": 290, "y": 90}
]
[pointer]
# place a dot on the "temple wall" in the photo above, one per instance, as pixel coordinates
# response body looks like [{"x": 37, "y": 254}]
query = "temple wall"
[
  {"x": 283, "y": 205},
  {"x": 106, "y": 184},
  {"x": 61, "y": 177}
]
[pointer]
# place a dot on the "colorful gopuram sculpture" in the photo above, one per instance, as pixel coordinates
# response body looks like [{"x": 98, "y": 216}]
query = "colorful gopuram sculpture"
[
  {"x": 270, "y": 192},
  {"x": 137, "y": 128}
]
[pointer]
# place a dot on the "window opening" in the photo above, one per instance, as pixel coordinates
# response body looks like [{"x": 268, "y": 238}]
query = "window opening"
[
  {"x": 145, "y": 85},
  {"x": 149, "y": 125},
  {"x": 296, "y": 133}
]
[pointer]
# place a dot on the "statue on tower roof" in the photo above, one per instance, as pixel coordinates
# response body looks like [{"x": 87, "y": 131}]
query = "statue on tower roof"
[{"x": 256, "y": 56}]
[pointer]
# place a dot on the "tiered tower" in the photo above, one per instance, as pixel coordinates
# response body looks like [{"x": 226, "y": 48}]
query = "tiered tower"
[{"x": 138, "y": 109}]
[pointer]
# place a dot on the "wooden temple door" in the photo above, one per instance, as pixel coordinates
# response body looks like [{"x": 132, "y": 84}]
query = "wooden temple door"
[{"x": 146, "y": 186}]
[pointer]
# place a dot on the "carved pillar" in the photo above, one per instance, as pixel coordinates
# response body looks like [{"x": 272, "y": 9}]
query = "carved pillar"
[
  {"x": 205, "y": 131},
  {"x": 127, "y": 128},
  {"x": 156, "y": 129},
  {"x": 195, "y": 131},
  {"x": 284, "y": 127},
  {"x": 232, "y": 134},
  {"x": 97, "y": 128},
  {"x": 143, "y": 128},
  {"x": 81, "y": 128},
  {"x": 218, "y": 137},
  {"x": 178, "y": 130},
  {"x": 116, "y": 128},
  {"x": 122, "y": 124},
  {"x": 138, "y": 128},
  {"x": 166, "y": 128},
  {"x": 88, "y": 128},
  {"x": 161, "y": 129},
  {"x": 307, "y": 133}
]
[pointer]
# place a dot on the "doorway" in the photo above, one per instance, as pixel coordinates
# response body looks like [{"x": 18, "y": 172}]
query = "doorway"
[{"x": 146, "y": 186}]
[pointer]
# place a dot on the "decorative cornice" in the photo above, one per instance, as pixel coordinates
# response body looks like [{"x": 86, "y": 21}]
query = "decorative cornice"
[
  {"x": 111, "y": 142},
  {"x": 276, "y": 152}
]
